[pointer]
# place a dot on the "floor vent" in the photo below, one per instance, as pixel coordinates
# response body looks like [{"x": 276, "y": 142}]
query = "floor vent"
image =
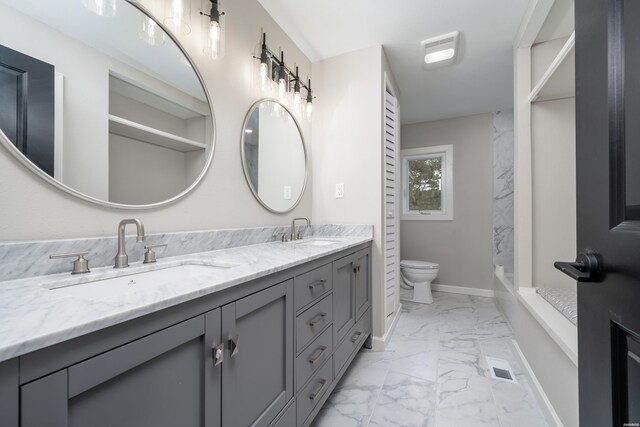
[{"x": 501, "y": 370}]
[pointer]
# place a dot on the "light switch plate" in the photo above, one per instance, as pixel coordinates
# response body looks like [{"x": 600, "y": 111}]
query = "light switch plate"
[
  {"x": 287, "y": 192},
  {"x": 340, "y": 191}
]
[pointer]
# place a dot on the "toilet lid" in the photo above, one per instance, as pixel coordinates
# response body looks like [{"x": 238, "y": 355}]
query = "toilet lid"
[{"x": 418, "y": 264}]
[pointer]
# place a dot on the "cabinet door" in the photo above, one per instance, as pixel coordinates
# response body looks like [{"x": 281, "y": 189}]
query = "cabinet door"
[
  {"x": 257, "y": 374},
  {"x": 363, "y": 290},
  {"x": 344, "y": 307},
  {"x": 164, "y": 379},
  {"x": 9, "y": 391}
]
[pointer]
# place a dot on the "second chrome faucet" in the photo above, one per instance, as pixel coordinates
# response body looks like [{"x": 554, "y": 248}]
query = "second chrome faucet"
[{"x": 122, "y": 259}]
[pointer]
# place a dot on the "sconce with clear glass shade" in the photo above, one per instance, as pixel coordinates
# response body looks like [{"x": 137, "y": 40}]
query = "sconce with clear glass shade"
[
  {"x": 150, "y": 32},
  {"x": 104, "y": 8},
  {"x": 214, "y": 28}
]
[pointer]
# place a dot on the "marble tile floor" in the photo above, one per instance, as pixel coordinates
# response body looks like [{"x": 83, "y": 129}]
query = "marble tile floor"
[{"x": 434, "y": 373}]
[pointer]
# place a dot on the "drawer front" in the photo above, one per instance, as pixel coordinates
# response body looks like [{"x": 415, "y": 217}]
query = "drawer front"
[
  {"x": 312, "y": 394},
  {"x": 352, "y": 341},
  {"x": 314, "y": 357},
  {"x": 311, "y": 322},
  {"x": 312, "y": 285}
]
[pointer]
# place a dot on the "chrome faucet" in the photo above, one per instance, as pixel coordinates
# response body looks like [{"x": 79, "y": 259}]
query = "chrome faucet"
[
  {"x": 122, "y": 259},
  {"x": 294, "y": 235}
]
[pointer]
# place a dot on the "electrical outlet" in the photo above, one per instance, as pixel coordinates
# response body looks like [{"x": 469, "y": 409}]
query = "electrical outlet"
[
  {"x": 287, "y": 192},
  {"x": 340, "y": 191}
]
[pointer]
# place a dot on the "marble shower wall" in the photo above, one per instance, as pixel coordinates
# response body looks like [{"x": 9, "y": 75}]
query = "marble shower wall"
[{"x": 503, "y": 145}]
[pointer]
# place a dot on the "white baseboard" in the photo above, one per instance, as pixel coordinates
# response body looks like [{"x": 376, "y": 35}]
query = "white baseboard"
[
  {"x": 537, "y": 386},
  {"x": 463, "y": 290},
  {"x": 380, "y": 343}
]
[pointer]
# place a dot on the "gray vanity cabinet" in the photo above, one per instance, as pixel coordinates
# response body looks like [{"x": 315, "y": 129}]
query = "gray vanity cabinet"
[
  {"x": 257, "y": 376},
  {"x": 167, "y": 379},
  {"x": 265, "y": 353}
]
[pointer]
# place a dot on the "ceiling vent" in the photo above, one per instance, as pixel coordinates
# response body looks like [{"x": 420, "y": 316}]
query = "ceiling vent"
[{"x": 441, "y": 50}]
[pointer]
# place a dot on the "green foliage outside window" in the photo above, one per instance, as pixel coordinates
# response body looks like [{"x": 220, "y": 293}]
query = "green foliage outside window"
[{"x": 425, "y": 184}]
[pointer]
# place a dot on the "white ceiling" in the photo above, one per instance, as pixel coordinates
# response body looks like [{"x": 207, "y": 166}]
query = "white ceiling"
[{"x": 480, "y": 81}]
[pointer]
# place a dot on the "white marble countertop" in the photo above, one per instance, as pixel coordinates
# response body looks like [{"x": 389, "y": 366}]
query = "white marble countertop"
[{"x": 33, "y": 316}]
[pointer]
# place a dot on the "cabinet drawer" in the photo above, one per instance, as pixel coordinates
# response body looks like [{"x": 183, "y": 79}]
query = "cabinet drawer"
[
  {"x": 353, "y": 341},
  {"x": 312, "y": 394},
  {"x": 313, "y": 357},
  {"x": 310, "y": 286},
  {"x": 311, "y": 322}
]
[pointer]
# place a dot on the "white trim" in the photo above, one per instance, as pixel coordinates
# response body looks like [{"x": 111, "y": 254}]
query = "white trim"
[
  {"x": 489, "y": 293},
  {"x": 559, "y": 328},
  {"x": 380, "y": 343},
  {"x": 447, "y": 183},
  {"x": 536, "y": 385}
]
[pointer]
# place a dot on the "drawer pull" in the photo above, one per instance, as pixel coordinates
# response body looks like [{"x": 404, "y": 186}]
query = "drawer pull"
[
  {"x": 317, "y": 319},
  {"x": 314, "y": 395},
  {"x": 320, "y": 351},
  {"x": 355, "y": 336},
  {"x": 317, "y": 283}
]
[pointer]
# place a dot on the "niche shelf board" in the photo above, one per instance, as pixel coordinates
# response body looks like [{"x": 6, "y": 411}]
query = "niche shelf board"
[
  {"x": 558, "y": 81},
  {"x": 140, "y": 132}
]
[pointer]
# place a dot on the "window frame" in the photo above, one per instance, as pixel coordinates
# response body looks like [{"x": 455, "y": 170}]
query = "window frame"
[{"x": 444, "y": 151}]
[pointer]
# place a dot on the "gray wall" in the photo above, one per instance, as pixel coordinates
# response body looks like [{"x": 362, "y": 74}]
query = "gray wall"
[
  {"x": 462, "y": 247},
  {"x": 32, "y": 209}
]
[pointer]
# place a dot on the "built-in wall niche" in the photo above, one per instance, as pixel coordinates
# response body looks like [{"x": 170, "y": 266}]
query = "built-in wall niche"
[{"x": 159, "y": 136}]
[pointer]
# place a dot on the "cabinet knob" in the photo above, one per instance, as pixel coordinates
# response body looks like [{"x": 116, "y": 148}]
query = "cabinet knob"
[
  {"x": 218, "y": 354},
  {"x": 234, "y": 345}
]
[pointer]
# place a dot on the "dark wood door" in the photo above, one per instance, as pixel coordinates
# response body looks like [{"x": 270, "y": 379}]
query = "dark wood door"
[
  {"x": 608, "y": 197},
  {"x": 27, "y": 106}
]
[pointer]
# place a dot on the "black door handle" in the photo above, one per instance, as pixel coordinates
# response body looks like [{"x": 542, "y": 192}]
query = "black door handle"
[{"x": 585, "y": 268}]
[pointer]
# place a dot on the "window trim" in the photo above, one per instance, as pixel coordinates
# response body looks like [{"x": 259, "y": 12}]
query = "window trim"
[{"x": 447, "y": 183}]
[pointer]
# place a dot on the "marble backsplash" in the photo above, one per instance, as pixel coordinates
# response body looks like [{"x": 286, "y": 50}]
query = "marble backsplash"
[
  {"x": 30, "y": 259},
  {"x": 503, "y": 189}
]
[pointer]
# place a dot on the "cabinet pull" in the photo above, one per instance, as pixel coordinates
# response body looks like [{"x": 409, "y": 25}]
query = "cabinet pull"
[
  {"x": 218, "y": 354},
  {"x": 314, "y": 395},
  {"x": 234, "y": 345},
  {"x": 320, "y": 351},
  {"x": 320, "y": 282},
  {"x": 317, "y": 319},
  {"x": 355, "y": 336}
]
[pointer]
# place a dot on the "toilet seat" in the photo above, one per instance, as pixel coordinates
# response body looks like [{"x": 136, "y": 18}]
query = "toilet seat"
[{"x": 422, "y": 265}]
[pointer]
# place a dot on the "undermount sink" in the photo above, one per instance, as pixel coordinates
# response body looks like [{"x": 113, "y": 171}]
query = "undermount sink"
[
  {"x": 316, "y": 242},
  {"x": 135, "y": 282}
]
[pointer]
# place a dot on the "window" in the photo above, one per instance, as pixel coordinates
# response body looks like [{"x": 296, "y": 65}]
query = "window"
[{"x": 427, "y": 183}]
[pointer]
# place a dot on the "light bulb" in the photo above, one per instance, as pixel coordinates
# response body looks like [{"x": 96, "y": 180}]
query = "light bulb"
[
  {"x": 282, "y": 88},
  {"x": 296, "y": 99},
  {"x": 214, "y": 39},
  {"x": 151, "y": 33},
  {"x": 309, "y": 109},
  {"x": 264, "y": 72},
  {"x": 179, "y": 14}
]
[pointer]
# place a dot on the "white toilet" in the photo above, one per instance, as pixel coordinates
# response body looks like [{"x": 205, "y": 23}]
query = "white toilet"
[{"x": 418, "y": 275}]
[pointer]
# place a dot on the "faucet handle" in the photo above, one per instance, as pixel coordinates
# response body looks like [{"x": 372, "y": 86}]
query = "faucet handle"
[
  {"x": 80, "y": 265},
  {"x": 150, "y": 254},
  {"x": 284, "y": 237}
]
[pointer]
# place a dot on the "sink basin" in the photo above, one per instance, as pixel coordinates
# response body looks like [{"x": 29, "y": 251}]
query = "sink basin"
[
  {"x": 136, "y": 282},
  {"x": 316, "y": 242}
]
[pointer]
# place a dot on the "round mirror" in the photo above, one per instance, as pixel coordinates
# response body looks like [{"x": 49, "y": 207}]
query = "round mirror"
[
  {"x": 99, "y": 100},
  {"x": 274, "y": 158}
]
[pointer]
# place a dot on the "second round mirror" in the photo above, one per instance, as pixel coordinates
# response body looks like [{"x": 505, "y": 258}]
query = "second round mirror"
[{"x": 273, "y": 156}]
